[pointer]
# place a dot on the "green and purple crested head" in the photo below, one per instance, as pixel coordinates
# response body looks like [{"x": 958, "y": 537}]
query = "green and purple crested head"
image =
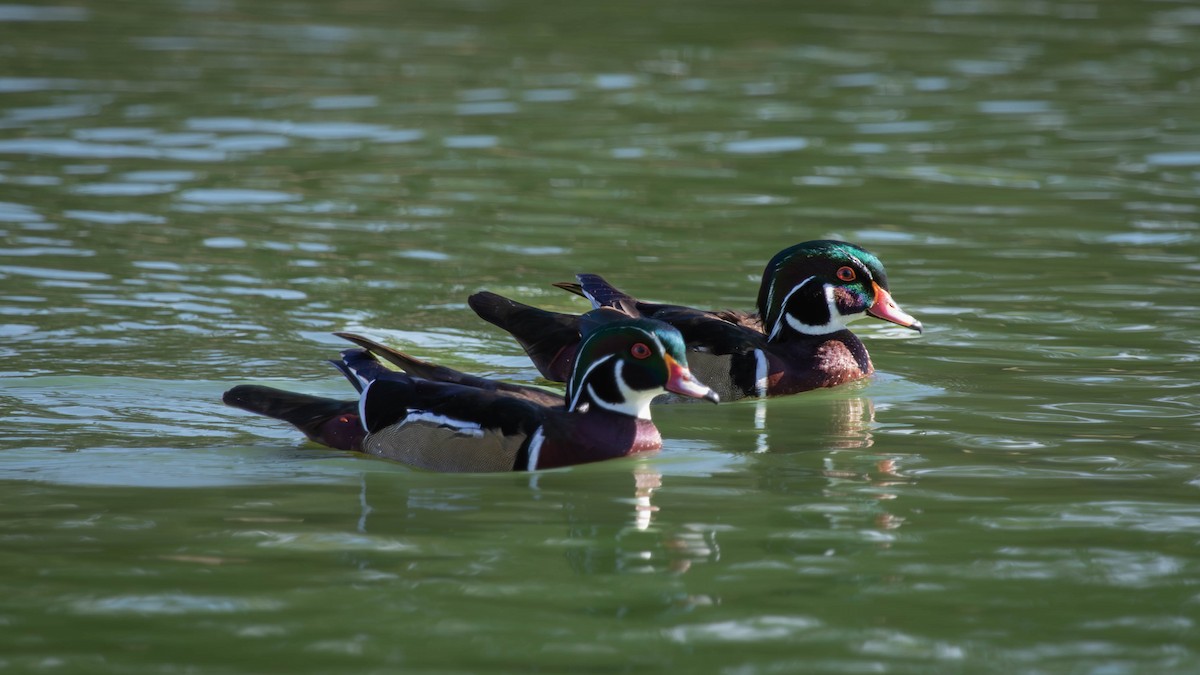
[
  {"x": 623, "y": 363},
  {"x": 817, "y": 287}
]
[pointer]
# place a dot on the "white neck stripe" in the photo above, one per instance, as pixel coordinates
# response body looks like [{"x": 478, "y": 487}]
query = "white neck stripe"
[
  {"x": 362, "y": 406},
  {"x": 760, "y": 373},
  {"x": 535, "y": 449},
  {"x": 661, "y": 347}
]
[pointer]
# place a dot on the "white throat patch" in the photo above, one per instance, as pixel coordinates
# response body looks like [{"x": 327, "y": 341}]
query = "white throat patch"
[
  {"x": 634, "y": 403},
  {"x": 837, "y": 321}
]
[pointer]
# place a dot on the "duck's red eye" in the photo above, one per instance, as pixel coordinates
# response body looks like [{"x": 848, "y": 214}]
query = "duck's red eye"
[
  {"x": 640, "y": 350},
  {"x": 846, "y": 273}
]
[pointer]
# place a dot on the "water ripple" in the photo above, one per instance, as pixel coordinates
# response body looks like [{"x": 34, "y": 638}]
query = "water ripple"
[
  {"x": 1124, "y": 410},
  {"x": 758, "y": 629},
  {"x": 328, "y": 541},
  {"x": 114, "y": 217},
  {"x": 760, "y": 146},
  {"x": 18, "y": 213},
  {"x": 21, "y": 13},
  {"x": 56, "y": 274},
  {"x": 1144, "y": 516},
  {"x": 122, "y": 189},
  {"x": 173, "y": 604},
  {"x": 309, "y": 130},
  {"x": 466, "y": 142},
  {"x": 59, "y": 147},
  {"x": 231, "y": 196},
  {"x": 13, "y": 85},
  {"x": 1178, "y": 158},
  {"x": 33, "y": 251}
]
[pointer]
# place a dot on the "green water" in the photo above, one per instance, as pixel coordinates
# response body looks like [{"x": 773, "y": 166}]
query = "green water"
[{"x": 194, "y": 193}]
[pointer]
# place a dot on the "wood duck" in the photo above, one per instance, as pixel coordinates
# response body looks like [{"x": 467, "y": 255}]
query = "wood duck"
[
  {"x": 440, "y": 419},
  {"x": 797, "y": 340}
]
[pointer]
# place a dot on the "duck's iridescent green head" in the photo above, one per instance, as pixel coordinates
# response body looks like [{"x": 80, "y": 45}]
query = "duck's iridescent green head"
[
  {"x": 624, "y": 363},
  {"x": 817, "y": 287}
]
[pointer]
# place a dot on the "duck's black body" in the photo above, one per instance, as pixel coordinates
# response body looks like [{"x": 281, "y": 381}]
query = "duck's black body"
[
  {"x": 797, "y": 341},
  {"x": 440, "y": 419}
]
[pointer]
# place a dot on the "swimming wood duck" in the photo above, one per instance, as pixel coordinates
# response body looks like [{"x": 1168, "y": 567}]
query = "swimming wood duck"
[
  {"x": 440, "y": 419},
  {"x": 797, "y": 340}
]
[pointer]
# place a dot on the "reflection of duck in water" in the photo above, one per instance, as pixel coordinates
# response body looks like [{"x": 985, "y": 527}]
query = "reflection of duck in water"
[
  {"x": 599, "y": 520},
  {"x": 797, "y": 340},
  {"x": 438, "y": 418},
  {"x": 837, "y": 440},
  {"x": 625, "y": 531},
  {"x": 850, "y": 423}
]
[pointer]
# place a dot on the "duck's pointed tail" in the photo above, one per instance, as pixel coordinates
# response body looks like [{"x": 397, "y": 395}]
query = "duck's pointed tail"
[
  {"x": 601, "y": 293},
  {"x": 551, "y": 339},
  {"x": 325, "y": 420},
  {"x": 436, "y": 373},
  {"x": 411, "y": 364}
]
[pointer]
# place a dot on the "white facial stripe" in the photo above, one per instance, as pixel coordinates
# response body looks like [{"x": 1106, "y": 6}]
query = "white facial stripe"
[
  {"x": 771, "y": 290},
  {"x": 661, "y": 347},
  {"x": 760, "y": 373},
  {"x": 864, "y": 267},
  {"x": 770, "y": 296},
  {"x": 633, "y": 403},
  {"x": 362, "y": 406},
  {"x": 783, "y": 306},
  {"x": 586, "y": 374},
  {"x": 836, "y": 321},
  {"x": 652, "y": 337},
  {"x": 535, "y": 449},
  {"x": 867, "y": 269}
]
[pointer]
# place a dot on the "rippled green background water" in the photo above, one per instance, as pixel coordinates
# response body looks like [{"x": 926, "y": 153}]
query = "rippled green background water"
[{"x": 194, "y": 193}]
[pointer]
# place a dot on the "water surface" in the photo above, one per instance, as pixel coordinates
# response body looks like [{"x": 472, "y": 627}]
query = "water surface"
[{"x": 193, "y": 194}]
